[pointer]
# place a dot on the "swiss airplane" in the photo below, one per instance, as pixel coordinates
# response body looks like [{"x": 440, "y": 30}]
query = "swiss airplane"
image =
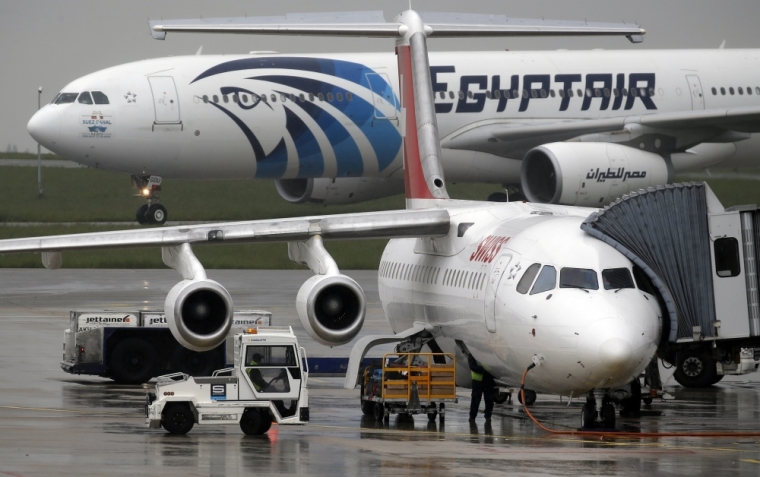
[
  {"x": 514, "y": 283},
  {"x": 564, "y": 127}
]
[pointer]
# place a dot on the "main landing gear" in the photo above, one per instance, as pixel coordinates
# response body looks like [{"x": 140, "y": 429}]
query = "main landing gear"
[{"x": 152, "y": 212}]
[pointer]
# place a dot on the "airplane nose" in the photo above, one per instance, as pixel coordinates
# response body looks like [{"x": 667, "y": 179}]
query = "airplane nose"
[
  {"x": 615, "y": 354},
  {"x": 45, "y": 126}
]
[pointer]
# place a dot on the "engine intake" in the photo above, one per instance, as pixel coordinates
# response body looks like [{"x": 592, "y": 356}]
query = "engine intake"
[
  {"x": 589, "y": 174},
  {"x": 199, "y": 313},
  {"x": 340, "y": 191},
  {"x": 331, "y": 308}
]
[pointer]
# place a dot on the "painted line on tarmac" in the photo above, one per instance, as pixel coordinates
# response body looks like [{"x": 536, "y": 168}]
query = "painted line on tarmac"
[
  {"x": 750, "y": 461},
  {"x": 69, "y": 411}
]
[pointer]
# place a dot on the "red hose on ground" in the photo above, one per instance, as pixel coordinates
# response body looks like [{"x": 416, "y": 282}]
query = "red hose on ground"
[{"x": 624, "y": 434}]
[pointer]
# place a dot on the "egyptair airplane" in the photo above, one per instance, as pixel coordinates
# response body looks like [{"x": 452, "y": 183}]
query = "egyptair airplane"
[
  {"x": 568, "y": 127},
  {"x": 513, "y": 283}
]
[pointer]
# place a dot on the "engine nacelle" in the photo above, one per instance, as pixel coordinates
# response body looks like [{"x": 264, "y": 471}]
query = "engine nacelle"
[
  {"x": 340, "y": 191},
  {"x": 199, "y": 313},
  {"x": 331, "y": 308},
  {"x": 589, "y": 174}
]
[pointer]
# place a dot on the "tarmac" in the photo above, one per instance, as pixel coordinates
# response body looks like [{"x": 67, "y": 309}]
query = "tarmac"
[{"x": 52, "y": 423}]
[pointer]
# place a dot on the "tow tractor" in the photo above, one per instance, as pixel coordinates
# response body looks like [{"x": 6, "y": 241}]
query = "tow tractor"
[
  {"x": 266, "y": 384},
  {"x": 409, "y": 383}
]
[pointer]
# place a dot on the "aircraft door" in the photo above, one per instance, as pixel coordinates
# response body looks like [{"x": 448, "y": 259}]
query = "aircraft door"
[
  {"x": 496, "y": 277},
  {"x": 165, "y": 99},
  {"x": 697, "y": 98},
  {"x": 383, "y": 96}
]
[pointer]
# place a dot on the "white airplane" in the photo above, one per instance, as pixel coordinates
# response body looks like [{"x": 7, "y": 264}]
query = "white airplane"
[
  {"x": 516, "y": 283},
  {"x": 568, "y": 127}
]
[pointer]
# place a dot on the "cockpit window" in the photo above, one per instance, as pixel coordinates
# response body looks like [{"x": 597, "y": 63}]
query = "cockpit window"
[
  {"x": 547, "y": 280},
  {"x": 527, "y": 279},
  {"x": 65, "y": 98},
  {"x": 99, "y": 97},
  {"x": 642, "y": 280},
  {"x": 617, "y": 278},
  {"x": 578, "y": 278},
  {"x": 85, "y": 98}
]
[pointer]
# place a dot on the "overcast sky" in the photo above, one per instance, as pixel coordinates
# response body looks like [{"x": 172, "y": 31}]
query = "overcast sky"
[{"x": 50, "y": 43}]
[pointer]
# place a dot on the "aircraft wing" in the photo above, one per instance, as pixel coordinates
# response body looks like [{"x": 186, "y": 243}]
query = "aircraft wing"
[
  {"x": 387, "y": 224},
  {"x": 515, "y": 139},
  {"x": 373, "y": 24}
]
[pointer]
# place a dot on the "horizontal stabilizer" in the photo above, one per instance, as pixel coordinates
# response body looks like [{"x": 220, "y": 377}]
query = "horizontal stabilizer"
[{"x": 372, "y": 24}]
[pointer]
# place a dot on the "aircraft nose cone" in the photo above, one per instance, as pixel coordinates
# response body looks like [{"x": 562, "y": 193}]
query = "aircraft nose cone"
[
  {"x": 45, "y": 126},
  {"x": 615, "y": 354}
]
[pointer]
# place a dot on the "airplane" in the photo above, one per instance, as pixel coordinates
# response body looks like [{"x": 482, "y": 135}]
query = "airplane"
[
  {"x": 561, "y": 127},
  {"x": 512, "y": 283}
]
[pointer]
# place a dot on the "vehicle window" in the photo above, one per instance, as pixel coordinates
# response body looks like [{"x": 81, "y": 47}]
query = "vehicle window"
[
  {"x": 65, "y": 98},
  {"x": 100, "y": 98},
  {"x": 727, "y": 257},
  {"x": 547, "y": 280},
  {"x": 527, "y": 279},
  {"x": 85, "y": 98},
  {"x": 643, "y": 282},
  {"x": 617, "y": 278},
  {"x": 270, "y": 356},
  {"x": 578, "y": 278}
]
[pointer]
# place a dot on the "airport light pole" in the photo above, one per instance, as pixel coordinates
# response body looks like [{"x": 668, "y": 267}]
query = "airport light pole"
[{"x": 39, "y": 151}]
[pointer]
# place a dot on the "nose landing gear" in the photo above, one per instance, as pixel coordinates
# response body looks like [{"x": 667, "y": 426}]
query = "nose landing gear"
[
  {"x": 606, "y": 413},
  {"x": 152, "y": 212}
]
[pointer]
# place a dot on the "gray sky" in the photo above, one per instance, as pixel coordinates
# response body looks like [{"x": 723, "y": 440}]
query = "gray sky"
[{"x": 50, "y": 43}]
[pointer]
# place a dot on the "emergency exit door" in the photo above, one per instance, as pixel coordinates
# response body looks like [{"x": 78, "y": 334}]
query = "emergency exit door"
[
  {"x": 165, "y": 99},
  {"x": 697, "y": 97}
]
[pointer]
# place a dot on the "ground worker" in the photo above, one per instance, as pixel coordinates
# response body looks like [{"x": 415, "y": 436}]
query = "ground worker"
[{"x": 482, "y": 383}]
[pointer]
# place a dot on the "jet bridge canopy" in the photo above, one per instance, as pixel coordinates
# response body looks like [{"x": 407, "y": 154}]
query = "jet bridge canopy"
[{"x": 666, "y": 230}]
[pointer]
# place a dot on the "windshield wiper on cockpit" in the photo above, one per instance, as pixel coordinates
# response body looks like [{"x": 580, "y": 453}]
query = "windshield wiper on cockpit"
[{"x": 580, "y": 287}]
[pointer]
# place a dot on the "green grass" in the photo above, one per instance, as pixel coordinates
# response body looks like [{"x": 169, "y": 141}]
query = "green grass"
[{"x": 89, "y": 195}]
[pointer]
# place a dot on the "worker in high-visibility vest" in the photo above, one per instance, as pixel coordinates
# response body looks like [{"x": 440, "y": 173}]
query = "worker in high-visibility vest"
[{"x": 482, "y": 387}]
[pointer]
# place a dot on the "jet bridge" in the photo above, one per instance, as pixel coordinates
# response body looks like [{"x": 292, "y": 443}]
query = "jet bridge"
[{"x": 702, "y": 259}]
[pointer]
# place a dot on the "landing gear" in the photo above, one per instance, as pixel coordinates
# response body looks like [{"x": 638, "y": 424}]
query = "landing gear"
[
  {"x": 606, "y": 413},
  {"x": 512, "y": 193},
  {"x": 530, "y": 397},
  {"x": 152, "y": 212}
]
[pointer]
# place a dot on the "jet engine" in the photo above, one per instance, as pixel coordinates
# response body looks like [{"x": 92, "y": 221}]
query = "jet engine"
[
  {"x": 199, "y": 313},
  {"x": 331, "y": 308},
  {"x": 340, "y": 191},
  {"x": 589, "y": 174}
]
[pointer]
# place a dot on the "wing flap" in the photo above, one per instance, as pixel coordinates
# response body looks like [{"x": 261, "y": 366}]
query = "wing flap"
[{"x": 371, "y": 225}]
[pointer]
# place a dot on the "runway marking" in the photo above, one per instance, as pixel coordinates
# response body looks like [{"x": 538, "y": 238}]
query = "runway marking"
[
  {"x": 750, "y": 461},
  {"x": 70, "y": 411}
]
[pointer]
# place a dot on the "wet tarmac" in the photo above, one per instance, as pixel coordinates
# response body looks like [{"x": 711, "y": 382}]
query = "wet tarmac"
[{"x": 52, "y": 423}]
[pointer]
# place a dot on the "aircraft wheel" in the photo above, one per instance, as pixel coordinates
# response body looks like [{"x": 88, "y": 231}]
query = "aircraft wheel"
[
  {"x": 432, "y": 415},
  {"x": 530, "y": 397},
  {"x": 500, "y": 397},
  {"x": 133, "y": 361},
  {"x": 608, "y": 416},
  {"x": 632, "y": 404},
  {"x": 157, "y": 214},
  {"x": 142, "y": 213},
  {"x": 177, "y": 418},
  {"x": 255, "y": 422},
  {"x": 695, "y": 369},
  {"x": 588, "y": 416}
]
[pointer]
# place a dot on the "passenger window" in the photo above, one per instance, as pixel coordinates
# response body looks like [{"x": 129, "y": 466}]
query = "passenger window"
[
  {"x": 741, "y": 90},
  {"x": 580, "y": 93},
  {"x": 722, "y": 90},
  {"x": 461, "y": 95},
  {"x": 339, "y": 96},
  {"x": 642, "y": 280},
  {"x": 273, "y": 97},
  {"x": 731, "y": 90},
  {"x": 561, "y": 93},
  {"x": 552, "y": 93},
  {"x": 302, "y": 97},
  {"x": 349, "y": 97},
  {"x": 488, "y": 94},
  {"x": 235, "y": 98},
  {"x": 497, "y": 94},
  {"x": 205, "y": 98},
  {"x": 85, "y": 98},
  {"x": 749, "y": 90},
  {"x": 578, "y": 278},
  {"x": 527, "y": 279},
  {"x": 100, "y": 98},
  {"x": 216, "y": 98},
  {"x": 757, "y": 89},
  {"x": 311, "y": 97},
  {"x": 547, "y": 280},
  {"x": 292, "y": 98},
  {"x": 714, "y": 91},
  {"x": 451, "y": 94},
  {"x": 225, "y": 98},
  {"x": 616, "y": 278},
  {"x": 330, "y": 97},
  {"x": 263, "y": 98},
  {"x": 727, "y": 257}
]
